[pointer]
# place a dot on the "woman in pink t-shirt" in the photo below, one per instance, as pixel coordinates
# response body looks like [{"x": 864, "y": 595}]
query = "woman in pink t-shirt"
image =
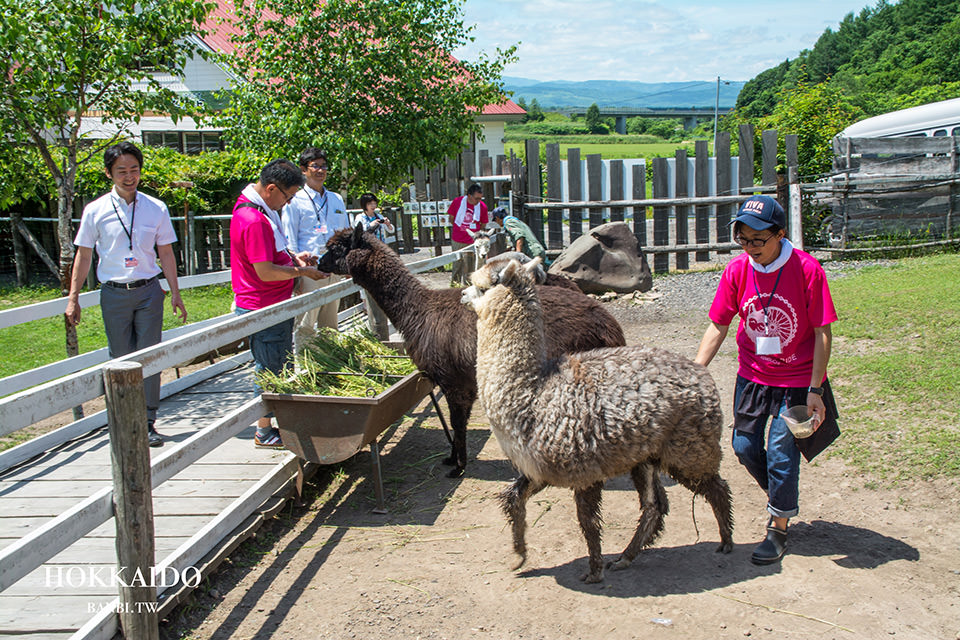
[{"x": 783, "y": 342}]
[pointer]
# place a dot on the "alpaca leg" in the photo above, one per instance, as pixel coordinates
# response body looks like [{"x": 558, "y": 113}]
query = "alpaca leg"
[
  {"x": 513, "y": 501},
  {"x": 653, "y": 507},
  {"x": 459, "y": 415},
  {"x": 717, "y": 492},
  {"x": 591, "y": 522}
]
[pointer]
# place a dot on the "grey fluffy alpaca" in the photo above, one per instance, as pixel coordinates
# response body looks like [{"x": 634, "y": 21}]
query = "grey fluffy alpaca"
[{"x": 586, "y": 417}]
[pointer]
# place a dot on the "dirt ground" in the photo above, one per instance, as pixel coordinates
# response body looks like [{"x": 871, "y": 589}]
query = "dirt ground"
[{"x": 862, "y": 562}]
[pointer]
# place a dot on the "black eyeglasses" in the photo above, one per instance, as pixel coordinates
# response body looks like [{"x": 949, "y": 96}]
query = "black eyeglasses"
[
  {"x": 318, "y": 167},
  {"x": 756, "y": 243},
  {"x": 288, "y": 197}
]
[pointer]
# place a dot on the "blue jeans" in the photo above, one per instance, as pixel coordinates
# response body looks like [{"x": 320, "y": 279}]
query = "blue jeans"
[
  {"x": 271, "y": 348},
  {"x": 776, "y": 468}
]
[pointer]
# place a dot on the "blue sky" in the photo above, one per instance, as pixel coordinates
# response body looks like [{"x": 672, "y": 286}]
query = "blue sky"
[{"x": 649, "y": 40}]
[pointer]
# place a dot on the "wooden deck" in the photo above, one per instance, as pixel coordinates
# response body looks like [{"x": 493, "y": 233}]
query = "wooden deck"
[{"x": 74, "y": 588}]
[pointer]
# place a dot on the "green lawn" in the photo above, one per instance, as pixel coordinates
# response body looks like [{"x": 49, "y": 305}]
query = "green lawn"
[
  {"x": 41, "y": 342},
  {"x": 896, "y": 368}
]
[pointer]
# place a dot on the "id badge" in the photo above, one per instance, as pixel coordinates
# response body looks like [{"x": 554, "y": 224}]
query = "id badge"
[
  {"x": 323, "y": 228},
  {"x": 768, "y": 345},
  {"x": 130, "y": 262}
]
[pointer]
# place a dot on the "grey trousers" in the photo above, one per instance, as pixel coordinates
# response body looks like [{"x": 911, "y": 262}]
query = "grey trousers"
[
  {"x": 133, "y": 319},
  {"x": 466, "y": 266}
]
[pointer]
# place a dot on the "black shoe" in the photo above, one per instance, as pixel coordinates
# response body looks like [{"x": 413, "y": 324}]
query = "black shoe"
[
  {"x": 771, "y": 550},
  {"x": 154, "y": 438}
]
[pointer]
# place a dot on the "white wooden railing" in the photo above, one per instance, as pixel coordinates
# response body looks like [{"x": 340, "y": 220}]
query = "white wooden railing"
[{"x": 27, "y": 407}]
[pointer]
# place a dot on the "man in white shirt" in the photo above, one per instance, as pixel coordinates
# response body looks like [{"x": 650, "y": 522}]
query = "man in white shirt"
[
  {"x": 309, "y": 220},
  {"x": 130, "y": 230}
]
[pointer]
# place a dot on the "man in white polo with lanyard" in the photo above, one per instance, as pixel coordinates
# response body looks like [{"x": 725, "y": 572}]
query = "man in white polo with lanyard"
[
  {"x": 130, "y": 230},
  {"x": 309, "y": 220}
]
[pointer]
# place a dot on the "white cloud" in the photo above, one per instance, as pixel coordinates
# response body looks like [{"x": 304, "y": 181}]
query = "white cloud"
[{"x": 649, "y": 40}]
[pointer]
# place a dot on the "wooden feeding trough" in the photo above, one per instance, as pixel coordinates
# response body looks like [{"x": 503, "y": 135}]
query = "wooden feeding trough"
[{"x": 330, "y": 429}]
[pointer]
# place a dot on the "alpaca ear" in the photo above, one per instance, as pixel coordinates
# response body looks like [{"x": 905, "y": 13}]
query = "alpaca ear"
[
  {"x": 510, "y": 272},
  {"x": 471, "y": 234},
  {"x": 357, "y": 235},
  {"x": 531, "y": 267}
]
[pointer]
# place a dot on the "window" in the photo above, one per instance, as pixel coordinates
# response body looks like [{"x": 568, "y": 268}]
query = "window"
[
  {"x": 939, "y": 133},
  {"x": 192, "y": 143},
  {"x": 211, "y": 141},
  {"x": 169, "y": 139},
  {"x": 189, "y": 142}
]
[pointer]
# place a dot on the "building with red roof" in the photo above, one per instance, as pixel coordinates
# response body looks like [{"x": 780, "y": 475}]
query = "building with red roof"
[{"x": 202, "y": 79}]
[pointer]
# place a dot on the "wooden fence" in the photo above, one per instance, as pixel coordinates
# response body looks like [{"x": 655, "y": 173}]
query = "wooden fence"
[
  {"x": 896, "y": 192},
  {"x": 204, "y": 240}
]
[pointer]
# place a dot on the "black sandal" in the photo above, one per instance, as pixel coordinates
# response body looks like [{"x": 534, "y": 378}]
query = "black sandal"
[{"x": 771, "y": 550}]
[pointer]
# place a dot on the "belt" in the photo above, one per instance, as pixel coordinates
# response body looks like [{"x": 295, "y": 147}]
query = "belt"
[{"x": 136, "y": 284}]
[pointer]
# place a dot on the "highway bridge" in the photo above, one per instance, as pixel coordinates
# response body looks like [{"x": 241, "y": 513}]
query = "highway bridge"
[{"x": 690, "y": 115}]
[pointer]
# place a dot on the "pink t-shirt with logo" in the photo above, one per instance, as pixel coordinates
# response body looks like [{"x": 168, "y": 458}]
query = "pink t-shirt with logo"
[
  {"x": 252, "y": 241},
  {"x": 475, "y": 219},
  {"x": 800, "y": 303}
]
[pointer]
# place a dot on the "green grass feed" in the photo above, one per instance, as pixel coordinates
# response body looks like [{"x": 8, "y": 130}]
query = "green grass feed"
[{"x": 349, "y": 364}]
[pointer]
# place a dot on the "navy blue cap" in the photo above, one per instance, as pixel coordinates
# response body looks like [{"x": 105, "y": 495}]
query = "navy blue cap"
[
  {"x": 499, "y": 212},
  {"x": 761, "y": 212}
]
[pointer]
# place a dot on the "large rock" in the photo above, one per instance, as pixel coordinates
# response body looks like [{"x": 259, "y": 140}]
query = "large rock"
[{"x": 607, "y": 258}]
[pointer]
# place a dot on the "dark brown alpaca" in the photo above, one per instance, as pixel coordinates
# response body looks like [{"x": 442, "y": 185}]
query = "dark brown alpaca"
[{"x": 440, "y": 334}]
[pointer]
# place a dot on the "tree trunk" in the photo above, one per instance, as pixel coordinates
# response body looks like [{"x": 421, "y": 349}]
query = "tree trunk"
[{"x": 65, "y": 235}]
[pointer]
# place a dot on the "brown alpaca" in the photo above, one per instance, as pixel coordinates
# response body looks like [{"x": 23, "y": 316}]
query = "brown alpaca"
[
  {"x": 440, "y": 334},
  {"x": 581, "y": 419}
]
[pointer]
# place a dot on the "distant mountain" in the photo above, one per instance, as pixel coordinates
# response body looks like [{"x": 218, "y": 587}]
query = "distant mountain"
[{"x": 617, "y": 93}]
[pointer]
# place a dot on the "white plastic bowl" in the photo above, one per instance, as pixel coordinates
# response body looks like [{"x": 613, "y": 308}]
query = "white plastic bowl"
[{"x": 799, "y": 423}]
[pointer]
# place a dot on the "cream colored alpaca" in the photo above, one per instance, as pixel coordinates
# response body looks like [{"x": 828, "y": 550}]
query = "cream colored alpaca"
[{"x": 590, "y": 416}]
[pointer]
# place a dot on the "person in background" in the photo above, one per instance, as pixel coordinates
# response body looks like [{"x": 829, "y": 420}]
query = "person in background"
[
  {"x": 467, "y": 212},
  {"x": 521, "y": 235},
  {"x": 309, "y": 220},
  {"x": 130, "y": 230},
  {"x": 263, "y": 270},
  {"x": 783, "y": 343},
  {"x": 372, "y": 221}
]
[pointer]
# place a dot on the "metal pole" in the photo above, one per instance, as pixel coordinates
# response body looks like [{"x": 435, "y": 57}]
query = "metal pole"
[{"x": 716, "y": 116}]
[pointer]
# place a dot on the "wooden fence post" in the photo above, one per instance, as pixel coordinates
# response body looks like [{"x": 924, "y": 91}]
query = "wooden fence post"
[
  {"x": 575, "y": 192},
  {"x": 681, "y": 212},
  {"x": 534, "y": 189},
  {"x": 768, "y": 157},
  {"x": 554, "y": 194},
  {"x": 794, "y": 212},
  {"x": 640, "y": 193},
  {"x": 745, "y": 169},
  {"x": 436, "y": 193},
  {"x": 661, "y": 216},
  {"x": 405, "y": 222},
  {"x": 595, "y": 187},
  {"x": 616, "y": 189},
  {"x": 701, "y": 189},
  {"x": 132, "y": 498},
  {"x": 486, "y": 169},
  {"x": 420, "y": 186},
  {"x": 724, "y": 179}
]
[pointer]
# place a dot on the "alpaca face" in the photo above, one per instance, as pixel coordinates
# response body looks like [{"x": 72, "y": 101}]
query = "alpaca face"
[
  {"x": 481, "y": 244},
  {"x": 334, "y": 260},
  {"x": 500, "y": 272}
]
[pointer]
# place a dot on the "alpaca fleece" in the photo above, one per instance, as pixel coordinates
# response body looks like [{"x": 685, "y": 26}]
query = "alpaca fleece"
[
  {"x": 583, "y": 418},
  {"x": 440, "y": 334}
]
